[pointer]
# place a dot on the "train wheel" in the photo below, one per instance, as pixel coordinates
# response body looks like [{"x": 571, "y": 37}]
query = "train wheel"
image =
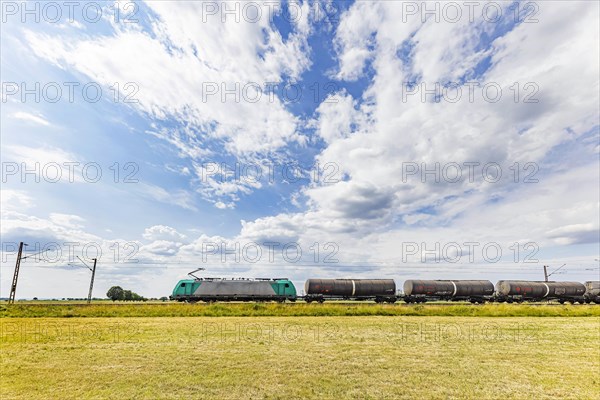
[{"x": 321, "y": 301}]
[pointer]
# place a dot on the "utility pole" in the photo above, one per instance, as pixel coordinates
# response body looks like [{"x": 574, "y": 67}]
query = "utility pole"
[
  {"x": 92, "y": 282},
  {"x": 548, "y": 275},
  {"x": 93, "y": 269},
  {"x": 13, "y": 287}
]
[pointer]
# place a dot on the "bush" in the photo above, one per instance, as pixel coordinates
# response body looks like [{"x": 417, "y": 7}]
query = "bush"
[{"x": 117, "y": 293}]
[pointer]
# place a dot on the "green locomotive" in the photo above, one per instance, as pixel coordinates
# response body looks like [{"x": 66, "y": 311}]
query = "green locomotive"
[{"x": 221, "y": 289}]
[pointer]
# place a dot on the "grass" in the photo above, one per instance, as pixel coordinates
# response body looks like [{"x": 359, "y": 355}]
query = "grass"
[
  {"x": 103, "y": 309},
  {"x": 344, "y": 357}
]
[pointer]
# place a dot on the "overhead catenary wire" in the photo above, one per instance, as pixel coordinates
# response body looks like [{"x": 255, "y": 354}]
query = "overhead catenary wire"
[{"x": 33, "y": 255}]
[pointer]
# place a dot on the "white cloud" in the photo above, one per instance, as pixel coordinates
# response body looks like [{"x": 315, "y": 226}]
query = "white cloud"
[
  {"x": 337, "y": 117},
  {"x": 182, "y": 70},
  {"x": 162, "y": 248},
  {"x": 369, "y": 211},
  {"x": 179, "y": 197},
  {"x": 36, "y": 119},
  {"x": 371, "y": 139},
  {"x": 56, "y": 227},
  {"x": 177, "y": 66},
  {"x": 576, "y": 233},
  {"x": 14, "y": 200},
  {"x": 354, "y": 39},
  {"x": 67, "y": 220},
  {"x": 42, "y": 164},
  {"x": 162, "y": 232},
  {"x": 223, "y": 206}
]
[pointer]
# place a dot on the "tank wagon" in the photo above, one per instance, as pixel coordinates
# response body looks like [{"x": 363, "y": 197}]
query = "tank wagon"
[
  {"x": 592, "y": 292},
  {"x": 420, "y": 291},
  {"x": 220, "y": 289},
  {"x": 380, "y": 290},
  {"x": 519, "y": 291}
]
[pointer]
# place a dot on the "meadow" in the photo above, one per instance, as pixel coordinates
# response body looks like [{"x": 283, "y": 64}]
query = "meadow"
[
  {"x": 299, "y": 309},
  {"x": 299, "y": 351},
  {"x": 371, "y": 357}
]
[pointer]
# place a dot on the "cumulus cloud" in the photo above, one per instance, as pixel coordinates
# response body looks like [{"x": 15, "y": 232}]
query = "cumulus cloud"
[
  {"x": 369, "y": 209},
  {"x": 180, "y": 61},
  {"x": 67, "y": 220},
  {"x": 17, "y": 226},
  {"x": 162, "y": 232},
  {"x": 184, "y": 78},
  {"x": 370, "y": 206},
  {"x": 162, "y": 248},
  {"x": 373, "y": 138},
  {"x": 338, "y": 118},
  {"x": 355, "y": 38},
  {"x": 576, "y": 234},
  {"x": 12, "y": 200}
]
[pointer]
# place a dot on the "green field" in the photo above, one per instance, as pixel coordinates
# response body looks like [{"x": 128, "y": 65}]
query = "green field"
[
  {"x": 299, "y": 357},
  {"x": 300, "y": 309}
]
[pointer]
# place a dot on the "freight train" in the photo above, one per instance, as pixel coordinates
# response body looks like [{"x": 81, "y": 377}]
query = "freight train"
[{"x": 384, "y": 290}]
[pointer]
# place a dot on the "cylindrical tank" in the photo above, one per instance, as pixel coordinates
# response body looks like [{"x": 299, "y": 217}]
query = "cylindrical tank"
[
  {"x": 447, "y": 288},
  {"x": 538, "y": 289},
  {"x": 350, "y": 287},
  {"x": 566, "y": 289},
  {"x": 592, "y": 288}
]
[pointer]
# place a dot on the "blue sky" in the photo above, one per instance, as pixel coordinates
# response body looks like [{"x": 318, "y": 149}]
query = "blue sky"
[{"x": 351, "y": 62}]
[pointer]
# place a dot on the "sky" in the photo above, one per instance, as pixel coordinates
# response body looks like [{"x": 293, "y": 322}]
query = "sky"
[{"x": 403, "y": 140}]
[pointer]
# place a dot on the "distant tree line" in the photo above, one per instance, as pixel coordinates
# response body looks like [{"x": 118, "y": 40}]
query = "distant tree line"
[{"x": 118, "y": 293}]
